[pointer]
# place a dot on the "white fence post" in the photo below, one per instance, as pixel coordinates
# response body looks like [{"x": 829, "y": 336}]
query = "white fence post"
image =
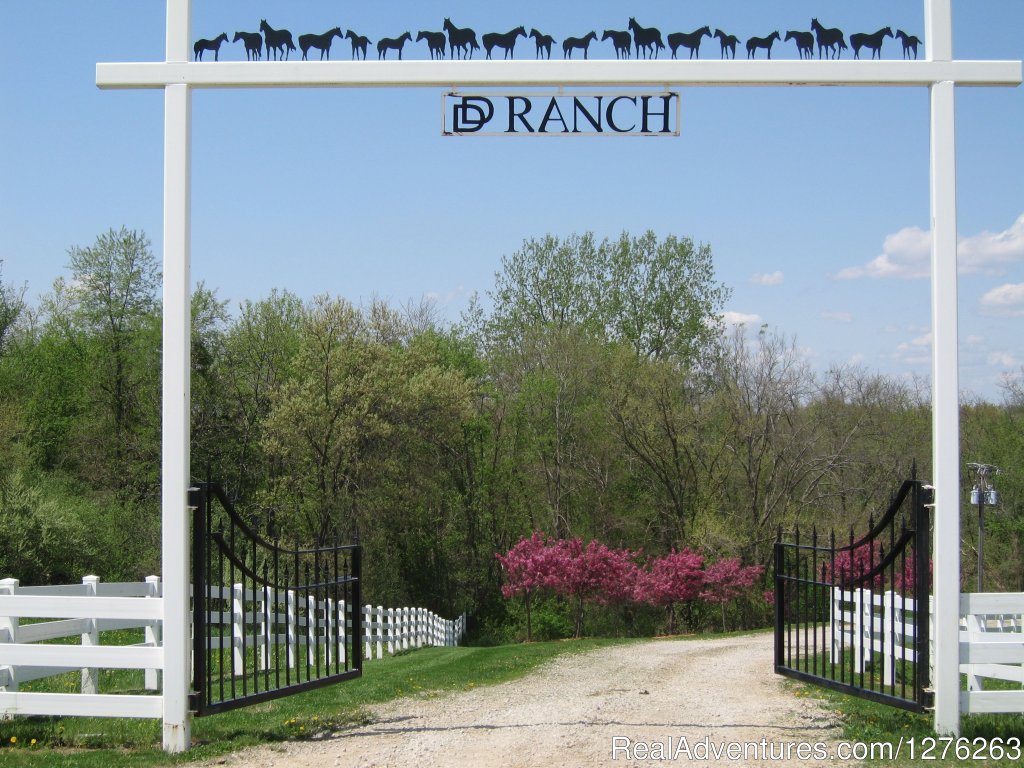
[
  {"x": 888, "y": 632},
  {"x": 311, "y": 630},
  {"x": 293, "y": 635},
  {"x": 237, "y": 616},
  {"x": 368, "y": 632},
  {"x": 380, "y": 631},
  {"x": 90, "y": 675},
  {"x": 153, "y": 635},
  {"x": 858, "y": 629},
  {"x": 343, "y": 625},
  {"x": 8, "y": 634},
  {"x": 391, "y": 631}
]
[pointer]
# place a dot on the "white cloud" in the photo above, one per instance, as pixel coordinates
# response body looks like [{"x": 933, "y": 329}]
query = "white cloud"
[
  {"x": 857, "y": 358},
  {"x": 740, "y": 318},
  {"x": 917, "y": 351},
  {"x": 1005, "y": 301},
  {"x": 1003, "y": 360},
  {"x": 906, "y": 254},
  {"x": 771, "y": 278},
  {"x": 839, "y": 317},
  {"x": 989, "y": 251}
]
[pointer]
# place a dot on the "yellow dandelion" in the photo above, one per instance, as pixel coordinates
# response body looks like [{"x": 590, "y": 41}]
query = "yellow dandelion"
[
  {"x": 14, "y": 739},
  {"x": 33, "y": 742}
]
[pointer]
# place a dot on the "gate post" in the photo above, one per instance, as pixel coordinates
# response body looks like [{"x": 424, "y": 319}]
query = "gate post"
[
  {"x": 177, "y": 324},
  {"x": 945, "y": 376}
]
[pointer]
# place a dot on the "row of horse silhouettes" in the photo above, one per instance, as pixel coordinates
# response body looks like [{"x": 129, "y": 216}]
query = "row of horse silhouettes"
[{"x": 641, "y": 42}]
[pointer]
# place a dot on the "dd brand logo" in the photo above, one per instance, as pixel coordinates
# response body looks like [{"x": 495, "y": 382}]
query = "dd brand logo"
[{"x": 561, "y": 114}]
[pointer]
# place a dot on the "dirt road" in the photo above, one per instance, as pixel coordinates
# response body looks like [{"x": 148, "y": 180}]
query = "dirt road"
[{"x": 669, "y": 702}]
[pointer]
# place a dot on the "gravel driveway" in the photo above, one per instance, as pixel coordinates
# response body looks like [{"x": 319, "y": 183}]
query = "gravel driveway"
[{"x": 666, "y": 702}]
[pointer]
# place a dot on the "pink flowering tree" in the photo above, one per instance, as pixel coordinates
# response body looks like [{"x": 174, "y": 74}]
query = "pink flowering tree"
[
  {"x": 529, "y": 567},
  {"x": 726, "y": 580},
  {"x": 594, "y": 572},
  {"x": 677, "y": 577}
]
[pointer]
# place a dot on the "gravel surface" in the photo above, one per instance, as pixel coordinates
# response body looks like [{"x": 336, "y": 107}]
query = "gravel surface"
[{"x": 679, "y": 698}]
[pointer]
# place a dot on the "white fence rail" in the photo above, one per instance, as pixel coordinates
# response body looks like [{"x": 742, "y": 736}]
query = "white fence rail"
[
  {"x": 991, "y": 640},
  {"x": 85, "y": 610}
]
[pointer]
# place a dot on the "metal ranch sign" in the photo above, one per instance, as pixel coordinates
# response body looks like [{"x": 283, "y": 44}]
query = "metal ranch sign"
[{"x": 560, "y": 114}]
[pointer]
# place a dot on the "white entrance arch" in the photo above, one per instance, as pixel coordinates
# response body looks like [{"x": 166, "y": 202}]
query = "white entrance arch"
[{"x": 177, "y": 76}]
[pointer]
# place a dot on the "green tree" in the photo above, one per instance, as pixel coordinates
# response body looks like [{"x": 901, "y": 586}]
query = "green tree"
[
  {"x": 12, "y": 304},
  {"x": 108, "y": 318}
]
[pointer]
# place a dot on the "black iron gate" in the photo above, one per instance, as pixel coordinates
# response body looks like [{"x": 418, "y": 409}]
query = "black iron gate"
[
  {"x": 854, "y": 615},
  {"x": 268, "y": 620}
]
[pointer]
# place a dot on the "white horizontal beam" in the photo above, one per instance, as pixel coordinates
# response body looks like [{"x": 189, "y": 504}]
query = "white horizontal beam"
[
  {"x": 101, "y": 656},
  {"x": 981, "y": 702},
  {"x": 1008, "y": 649},
  {"x": 46, "y": 607},
  {"x": 991, "y": 602},
  {"x": 81, "y": 705},
  {"x": 453, "y": 74}
]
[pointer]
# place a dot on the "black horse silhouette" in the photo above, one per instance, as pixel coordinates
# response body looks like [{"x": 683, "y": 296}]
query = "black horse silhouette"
[
  {"x": 278, "y": 40},
  {"x": 873, "y": 41},
  {"x": 761, "y": 42},
  {"x": 388, "y": 43},
  {"x": 728, "y": 43},
  {"x": 253, "y": 44},
  {"x": 622, "y": 41},
  {"x": 830, "y": 38},
  {"x": 209, "y": 45},
  {"x": 435, "y": 42},
  {"x": 505, "y": 40},
  {"x": 320, "y": 42},
  {"x": 804, "y": 43},
  {"x": 647, "y": 38},
  {"x": 577, "y": 42},
  {"x": 910, "y": 43},
  {"x": 462, "y": 38},
  {"x": 544, "y": 43},
  {"x": 359, "y": 43},
  {"x": 689, "y": 40}
]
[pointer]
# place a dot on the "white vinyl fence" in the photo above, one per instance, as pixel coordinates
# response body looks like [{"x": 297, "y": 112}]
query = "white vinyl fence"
[
  {"x": 991, "y": 640},
  {"x": 85, "y": 610}
]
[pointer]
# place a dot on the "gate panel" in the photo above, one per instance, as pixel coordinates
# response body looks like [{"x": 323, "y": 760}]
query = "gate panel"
[
  {"x": 268, "y": 620},
  {"x": 855, "y": 616}
]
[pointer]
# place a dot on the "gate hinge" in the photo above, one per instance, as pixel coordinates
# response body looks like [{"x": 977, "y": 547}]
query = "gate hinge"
[
  {"x": 195, "y": 497},
  {"x": 194, "y": 702}
]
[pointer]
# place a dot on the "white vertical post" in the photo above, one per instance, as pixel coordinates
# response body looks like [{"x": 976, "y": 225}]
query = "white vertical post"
[
  {"x": 8, "y": 634},
  {"x": 368, "y": 632},
  {"x": 342, "y": 631},
  {"x": 177, "y": 726},
  {"x": 945, "y": 377},
  {"x": 90, "y": 675},
  {"x": 391, "y": 631},
  {"x": 888, "y": 636},
  {"x": 292, "y": 624},
  {"x": 152, "y": 634},
  {"x": 311, "y": 622},
  {"x": 237, "y": 627},
  {"x": 380, "y": 631}
]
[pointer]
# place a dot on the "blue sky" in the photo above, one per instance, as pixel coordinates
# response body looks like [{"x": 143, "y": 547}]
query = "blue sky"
[{"x": 813, "y": 200}]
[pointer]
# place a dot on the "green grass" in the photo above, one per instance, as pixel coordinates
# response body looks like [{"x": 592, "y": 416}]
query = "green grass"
[
  {"x": 117, "y": 742},
  {"x": 867, "y": 722}
]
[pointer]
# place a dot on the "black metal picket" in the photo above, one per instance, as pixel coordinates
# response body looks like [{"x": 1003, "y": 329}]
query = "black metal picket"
[
  {"x": 268, "y": 620},
  {"x": 855, "y": 617}
]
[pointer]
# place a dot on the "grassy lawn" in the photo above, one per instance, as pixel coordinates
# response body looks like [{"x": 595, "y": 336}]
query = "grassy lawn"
[
  {"x": 112, "y": 742},
  {"x": 866, "y": 722}
]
